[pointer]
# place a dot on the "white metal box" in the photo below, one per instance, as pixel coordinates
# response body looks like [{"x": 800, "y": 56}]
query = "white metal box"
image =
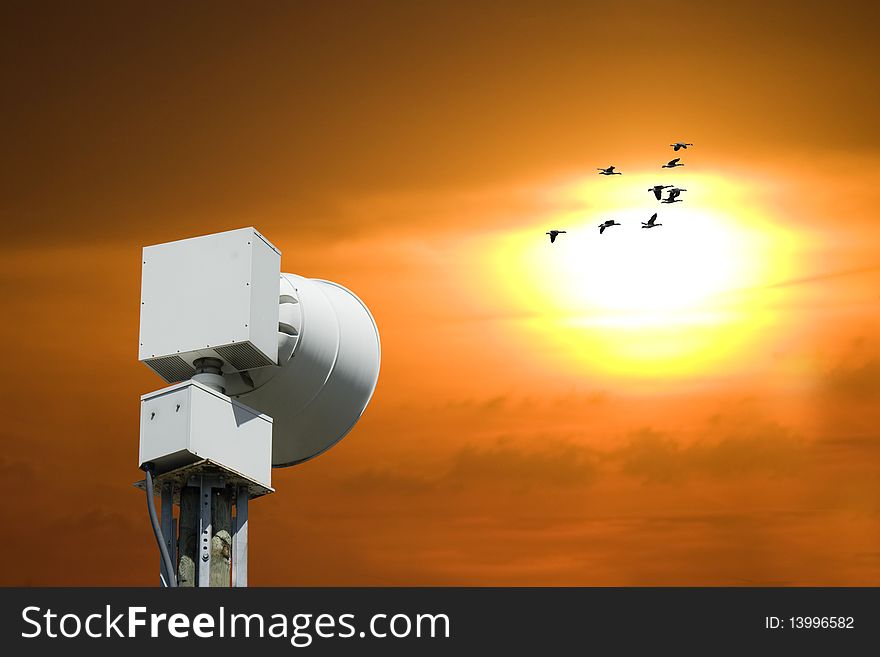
[
  {"x": 189, "y": 422},
  {"x": 216, "y": 296}
]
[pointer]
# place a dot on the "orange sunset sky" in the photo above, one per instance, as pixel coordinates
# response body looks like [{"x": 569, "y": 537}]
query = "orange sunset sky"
[{"x": 692, "y": 405}]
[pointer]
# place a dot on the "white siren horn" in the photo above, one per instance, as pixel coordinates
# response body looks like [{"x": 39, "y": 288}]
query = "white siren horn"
[{"x": 328, "y": 366}]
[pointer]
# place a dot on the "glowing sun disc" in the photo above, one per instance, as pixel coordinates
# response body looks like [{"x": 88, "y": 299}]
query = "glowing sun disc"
[{"x": 646, "y": 302}]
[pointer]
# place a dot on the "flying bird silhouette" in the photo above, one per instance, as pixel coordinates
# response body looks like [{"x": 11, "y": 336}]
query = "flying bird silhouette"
[
  {"x": 609, "y": 171},
  {"x": 607, "y": 224},
  {"x": 674, "y": 193},
  {"x": 658, "y": 190},
  {"x": 679, "y": 145},
  {"x": 553, "y": 234},
  {"x": 652, "y": 222},
  {"x": 673, "y": 163}
]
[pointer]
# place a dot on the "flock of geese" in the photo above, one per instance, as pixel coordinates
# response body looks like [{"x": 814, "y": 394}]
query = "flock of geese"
[{"x": 672, "y": 193}]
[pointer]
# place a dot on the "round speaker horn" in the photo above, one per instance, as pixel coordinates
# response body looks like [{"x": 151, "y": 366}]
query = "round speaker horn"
[{"x": 328, "y": 366}]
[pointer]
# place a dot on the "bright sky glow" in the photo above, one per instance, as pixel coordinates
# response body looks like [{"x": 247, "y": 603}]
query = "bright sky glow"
[{"x": 647, "y": 302}]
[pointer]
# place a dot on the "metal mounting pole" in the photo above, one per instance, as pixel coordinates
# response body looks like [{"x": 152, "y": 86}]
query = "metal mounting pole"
[
  {"x": 221, "y": 535},
  {"x": 240, "y": 539},
  {"x": 208, "y": 541},
  {"x": 204, "y": 543},
  {"x": 187, "y": 537}
]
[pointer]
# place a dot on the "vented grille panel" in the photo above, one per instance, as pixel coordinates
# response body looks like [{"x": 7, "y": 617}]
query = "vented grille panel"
[
  {"x": 171, "y": 368},
  {"x": 243, "y": 356}
]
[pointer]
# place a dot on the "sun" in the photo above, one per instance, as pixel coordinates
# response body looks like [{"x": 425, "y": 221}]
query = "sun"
[
  {"x": 642, "y": 276},
  {"x": 672, "y": 300}
]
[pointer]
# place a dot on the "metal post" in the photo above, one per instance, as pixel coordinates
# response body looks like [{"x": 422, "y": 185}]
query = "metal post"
[
  {"x": 187, "y": 536},
  {"x": 204, "y": 548},
  {"x": 221, "y": 539},
  {"x": 168, "y": 534},
  {"x": 240, "y": 539}
]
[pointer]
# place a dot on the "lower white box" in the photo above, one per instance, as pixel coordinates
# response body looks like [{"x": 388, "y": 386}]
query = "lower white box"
[{"x": 189, "y": 422}]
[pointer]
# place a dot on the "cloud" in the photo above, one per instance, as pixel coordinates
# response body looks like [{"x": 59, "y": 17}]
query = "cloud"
[
  {"x": 516, "y": 456},
  {"x": 386, "y": 480},
  {"x": 16, "y": 474},
  {"x": 865, "y": 445},
  {"x": 554, "y": 463},
  {"x": 655, "y": 457},
  {"x": 859, "y": 382},
  {"x": 100, "y": 520}
]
